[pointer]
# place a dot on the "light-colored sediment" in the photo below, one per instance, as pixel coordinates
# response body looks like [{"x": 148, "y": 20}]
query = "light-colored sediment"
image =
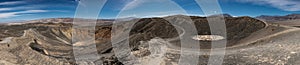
[
  {"x": 208, "y": 37},
  {"x": 6, "y": 40}
]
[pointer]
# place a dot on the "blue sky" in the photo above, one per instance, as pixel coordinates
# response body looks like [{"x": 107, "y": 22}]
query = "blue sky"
[{"x": 15, "y": 10}]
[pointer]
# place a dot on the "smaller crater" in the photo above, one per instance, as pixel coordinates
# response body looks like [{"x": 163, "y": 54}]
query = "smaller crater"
[{"x": 35, "y": 46}]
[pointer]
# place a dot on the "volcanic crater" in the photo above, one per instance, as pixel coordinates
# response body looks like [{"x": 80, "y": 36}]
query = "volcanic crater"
[
  {"x": 52, "y": 43},
  {"x": 237, "y": 28}
]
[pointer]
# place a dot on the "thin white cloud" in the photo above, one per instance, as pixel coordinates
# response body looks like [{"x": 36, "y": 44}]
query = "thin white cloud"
[
  {"x": 5, "y": 9},
  {"x": 25, "y": 7},
  {"x": 32, "y": 11},
  {"x": 7, "y": 15},
  {"x": 14, "y": 14},
  {"x": 143, "y": 9},
  {"x": 16, "y": 8},
  {"x": 287, "y": 5},
  {"x": 11, "y": 2},
  {"x": 135, "y": 3}
]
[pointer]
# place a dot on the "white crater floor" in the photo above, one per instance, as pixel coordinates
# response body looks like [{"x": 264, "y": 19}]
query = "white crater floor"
[{"x": 208, "y": 37}]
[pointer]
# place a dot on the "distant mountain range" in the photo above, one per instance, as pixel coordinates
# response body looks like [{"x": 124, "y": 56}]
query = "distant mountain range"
[
  {"x": 67, "y": 20},
  {"x": 268, "y": 18}
]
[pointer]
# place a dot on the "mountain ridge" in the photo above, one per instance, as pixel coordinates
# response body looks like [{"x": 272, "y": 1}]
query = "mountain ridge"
[{"x": 269, "y": 18}]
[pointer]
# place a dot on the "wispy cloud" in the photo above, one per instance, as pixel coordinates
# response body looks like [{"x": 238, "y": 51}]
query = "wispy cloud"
[
  {"x": 11, "y": 2},
  {"x": 151, "y": 8},
  {"x": 287, "y": 5},
  {"x": 9, "y": 12},
  {"x": 14, "y": 10},
  {"x": 135, "y": 3},
  {"x": 19, "y": 13},
  {"x": 5, "y": 9},
  {"x": 19, "y": 8}
]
